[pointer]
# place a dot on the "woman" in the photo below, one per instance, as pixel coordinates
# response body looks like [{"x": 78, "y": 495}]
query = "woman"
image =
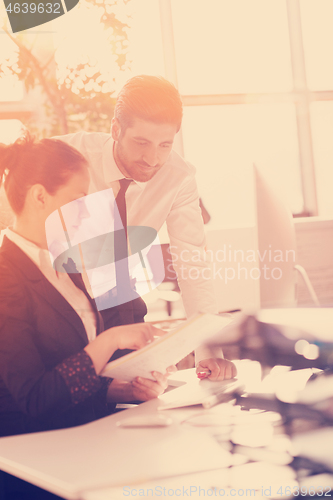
[{"x": 52, "y": 347}]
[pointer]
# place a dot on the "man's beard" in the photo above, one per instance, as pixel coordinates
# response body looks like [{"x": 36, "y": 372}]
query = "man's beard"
[{"x": 132, "y": 169}]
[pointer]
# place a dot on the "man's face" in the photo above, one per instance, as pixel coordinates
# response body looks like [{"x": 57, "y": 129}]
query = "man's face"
[{"x": 143, "y": 148}]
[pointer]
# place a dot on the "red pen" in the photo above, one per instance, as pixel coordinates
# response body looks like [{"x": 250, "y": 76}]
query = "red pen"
[{"x": 203, "y": 374}]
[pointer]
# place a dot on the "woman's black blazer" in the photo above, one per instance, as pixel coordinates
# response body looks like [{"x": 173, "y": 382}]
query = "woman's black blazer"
[{"x": 38, "y": 331}]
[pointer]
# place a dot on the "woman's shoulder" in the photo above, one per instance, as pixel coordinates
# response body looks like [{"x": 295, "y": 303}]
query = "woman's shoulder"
[
  {"x": 10, "y": 282},
  {"x": 7, "y": 266},
  {"x": 10, "y": 275},
  {"x": 15, "y": 300}
]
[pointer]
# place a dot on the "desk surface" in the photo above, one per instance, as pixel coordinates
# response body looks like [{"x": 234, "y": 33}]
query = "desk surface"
[
  {"x": 70, "y": 461},
  {"x": 222, "y": 448}
]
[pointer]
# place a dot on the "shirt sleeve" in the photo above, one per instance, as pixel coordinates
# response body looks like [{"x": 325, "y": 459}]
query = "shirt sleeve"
[
  {"x": 187, "y": 249},
  {"x": 80, "y": 377}
]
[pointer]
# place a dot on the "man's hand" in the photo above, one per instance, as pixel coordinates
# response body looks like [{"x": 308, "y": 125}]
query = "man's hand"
[{"x": 220, "y": 369}]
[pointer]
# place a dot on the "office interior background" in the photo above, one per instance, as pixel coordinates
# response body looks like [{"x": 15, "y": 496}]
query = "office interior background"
[{"x": 256, "y": 79}]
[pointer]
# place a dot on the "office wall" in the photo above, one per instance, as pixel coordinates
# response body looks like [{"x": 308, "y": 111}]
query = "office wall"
[{"x": 314, "y": 238}]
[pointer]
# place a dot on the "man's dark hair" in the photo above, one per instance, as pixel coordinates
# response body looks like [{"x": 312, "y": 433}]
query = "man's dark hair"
[{"x": 150, "y": 98}]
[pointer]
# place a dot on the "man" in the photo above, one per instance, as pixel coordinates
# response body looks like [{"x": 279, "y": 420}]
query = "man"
[{"x": 147, "y": 116}]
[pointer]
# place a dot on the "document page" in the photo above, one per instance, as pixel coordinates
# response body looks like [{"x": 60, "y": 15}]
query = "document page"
[{"x": 166, "y": 350}]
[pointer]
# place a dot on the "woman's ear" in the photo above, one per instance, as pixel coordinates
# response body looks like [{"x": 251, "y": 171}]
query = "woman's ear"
[{"x": 37, "y": 196}]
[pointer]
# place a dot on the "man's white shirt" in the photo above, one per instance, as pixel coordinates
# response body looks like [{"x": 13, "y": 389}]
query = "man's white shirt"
[{"x": 171, "y": 196}]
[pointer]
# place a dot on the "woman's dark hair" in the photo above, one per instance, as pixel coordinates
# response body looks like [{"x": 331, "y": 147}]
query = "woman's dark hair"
[
  {"x": 150, "y": 98},
  {"x": 48, "y": 162}
]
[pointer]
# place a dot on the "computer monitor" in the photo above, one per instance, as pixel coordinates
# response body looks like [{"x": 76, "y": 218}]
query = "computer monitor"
[{"x": 253, "y": 265}]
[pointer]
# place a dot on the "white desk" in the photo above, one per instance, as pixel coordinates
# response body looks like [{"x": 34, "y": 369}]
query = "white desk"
[
  {"x": 70, "y": 462},
  {"x": 96, "y": 461}
]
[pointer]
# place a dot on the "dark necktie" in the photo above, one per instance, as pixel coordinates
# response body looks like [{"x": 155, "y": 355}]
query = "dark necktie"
[{"x": 124, "y": 290}]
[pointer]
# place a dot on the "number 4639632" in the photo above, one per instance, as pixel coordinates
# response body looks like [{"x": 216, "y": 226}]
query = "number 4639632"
[{"x": 34, "y": 8}]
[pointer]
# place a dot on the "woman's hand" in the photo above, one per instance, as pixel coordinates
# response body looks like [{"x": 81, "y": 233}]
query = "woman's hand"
[
  {"x": 140, "y": 389},
  {"x": 106, "y": 343},
  {"x": 145, "y": 389},
  {"x": 134, "y": 336}
]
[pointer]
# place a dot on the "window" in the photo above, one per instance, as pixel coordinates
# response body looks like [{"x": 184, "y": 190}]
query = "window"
[
  {"x": 222, "y": 141},
  {"x": 252, "y": 75},
  {"x": 231, "y": 47},
  {"x": 10, "y": 130},
  {"x": 11, "y": 89},
  {"x": 317, "y": 32},
  {"x": 143, "y": 52},
  {"x": 322, "y": 129},
  {"x": 256, "y": 80}
]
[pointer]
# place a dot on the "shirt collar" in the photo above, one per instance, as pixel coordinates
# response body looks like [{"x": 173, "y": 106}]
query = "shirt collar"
[
  {"x": 111, "y": 171},
  {"x": 41, "y": 257}
]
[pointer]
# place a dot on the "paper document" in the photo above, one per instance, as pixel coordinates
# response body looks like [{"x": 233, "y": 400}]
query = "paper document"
[
  {"x": 201, "y": 392},
  {"x": 166, "y": 350}
]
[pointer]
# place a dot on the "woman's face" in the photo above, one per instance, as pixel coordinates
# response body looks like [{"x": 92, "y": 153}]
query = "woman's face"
[{"x": 68, "y": 205}]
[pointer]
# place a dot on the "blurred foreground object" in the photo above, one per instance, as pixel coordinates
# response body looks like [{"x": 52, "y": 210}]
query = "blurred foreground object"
[{"x": 300, "y": 338}]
